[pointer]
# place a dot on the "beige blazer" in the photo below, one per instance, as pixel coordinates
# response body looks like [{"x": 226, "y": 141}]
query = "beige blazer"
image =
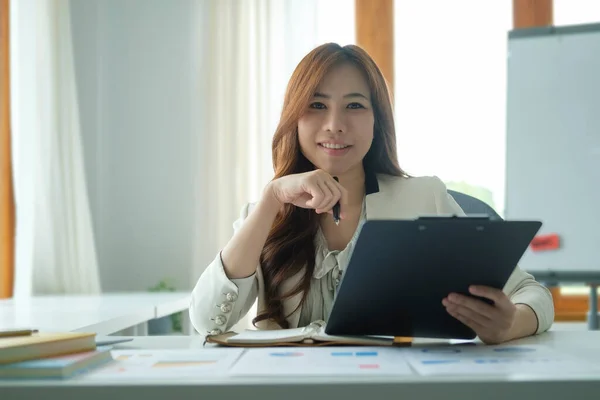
[{"x": 218, "y": 303}]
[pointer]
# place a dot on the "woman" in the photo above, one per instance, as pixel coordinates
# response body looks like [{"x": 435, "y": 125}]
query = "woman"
[{"x": 287, "y": 250}]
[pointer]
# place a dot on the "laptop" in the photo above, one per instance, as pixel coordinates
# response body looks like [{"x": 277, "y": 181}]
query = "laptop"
[{"x": 400, "y": 271}]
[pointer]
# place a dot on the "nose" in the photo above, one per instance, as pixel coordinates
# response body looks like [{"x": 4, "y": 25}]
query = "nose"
[{"x": 335, "y": 122}]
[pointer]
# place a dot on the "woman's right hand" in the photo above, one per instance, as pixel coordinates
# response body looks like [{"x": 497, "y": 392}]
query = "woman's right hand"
[{"x": 314, "y": 189}]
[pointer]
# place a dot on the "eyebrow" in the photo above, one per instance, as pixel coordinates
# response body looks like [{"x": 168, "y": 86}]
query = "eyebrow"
[{"x": 355, "y": 94}]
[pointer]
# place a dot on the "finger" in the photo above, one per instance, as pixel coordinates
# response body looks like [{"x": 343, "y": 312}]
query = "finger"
[
  {"x": 472, "y": 315},
  {"x": 496, "y": 295},
  {"x": 335, "y": 191},
  {"x": 344, "y": 193},
  {"x": 326, "y": 202},
  {"x": 473, "y": 304},
  {"x": 467, "y": 321},
  {"x": 316, "y": 196}
]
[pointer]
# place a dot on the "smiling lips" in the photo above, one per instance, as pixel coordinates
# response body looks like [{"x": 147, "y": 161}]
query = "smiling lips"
[{"x": 335, "y": 149}]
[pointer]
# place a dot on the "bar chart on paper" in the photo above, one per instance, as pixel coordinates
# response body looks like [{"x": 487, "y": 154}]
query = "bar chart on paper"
[
  {"x": 492, "y": 360},
  {"x": 322, "y": 361},
  {"x": 152, "y": 364}
]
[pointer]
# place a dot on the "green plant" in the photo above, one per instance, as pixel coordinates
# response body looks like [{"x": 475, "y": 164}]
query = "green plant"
[{"x": 165, "y": 285}]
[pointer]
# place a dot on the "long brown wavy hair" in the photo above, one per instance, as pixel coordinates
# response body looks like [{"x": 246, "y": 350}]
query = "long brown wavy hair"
[{"x": 290, "y": 245}]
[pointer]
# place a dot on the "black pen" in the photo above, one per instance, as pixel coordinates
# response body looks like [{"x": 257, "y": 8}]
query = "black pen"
[{"x": 336, "y": 208}]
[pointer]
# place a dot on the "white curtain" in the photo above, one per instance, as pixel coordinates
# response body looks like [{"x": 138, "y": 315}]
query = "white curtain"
[
  {"x": 253, "y": 48},
  {"x": 55, "y": 250},
  {"x": 241, "y": 52}
]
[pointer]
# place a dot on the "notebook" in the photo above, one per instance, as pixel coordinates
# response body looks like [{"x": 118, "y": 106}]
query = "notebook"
[
  {"x": 311, "y": 335},
  {"x": 57, "y": 367},
  {"x": 44, "y": 344}
]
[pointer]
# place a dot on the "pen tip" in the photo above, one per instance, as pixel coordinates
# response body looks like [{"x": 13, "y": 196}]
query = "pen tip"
[{"x": 337, "y": 222}]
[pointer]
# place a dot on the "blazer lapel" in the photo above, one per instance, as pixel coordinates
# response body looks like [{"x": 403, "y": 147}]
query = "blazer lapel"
[
  {"x": 376, "y": 206},
  {"x": 387, "y": 202},
  {"x": 380, "y": 203}
]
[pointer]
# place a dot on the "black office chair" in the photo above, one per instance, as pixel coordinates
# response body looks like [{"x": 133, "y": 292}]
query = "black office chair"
[{"x": 472, "y": 205}]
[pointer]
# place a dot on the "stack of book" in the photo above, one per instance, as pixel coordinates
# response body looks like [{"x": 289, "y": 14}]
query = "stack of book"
[{"x": 32, "y": 354}]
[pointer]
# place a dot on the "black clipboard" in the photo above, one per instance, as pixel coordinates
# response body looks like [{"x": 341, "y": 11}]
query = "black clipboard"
[{"x": 400, "y": 270}]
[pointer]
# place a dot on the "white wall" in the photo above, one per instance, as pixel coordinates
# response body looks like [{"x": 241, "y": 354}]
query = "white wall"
[{"x": 137, "y": 64}]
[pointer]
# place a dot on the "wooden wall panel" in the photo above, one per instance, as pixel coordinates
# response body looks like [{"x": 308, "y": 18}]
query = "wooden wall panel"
[
  {"x": 7, "y": 206},
  {"x": 532, "y": 13},
  {"x": 375, "y": 33}
]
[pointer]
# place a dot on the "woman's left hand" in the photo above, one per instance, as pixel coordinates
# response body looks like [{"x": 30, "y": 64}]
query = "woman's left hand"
[{"x": 492, "y": 323}]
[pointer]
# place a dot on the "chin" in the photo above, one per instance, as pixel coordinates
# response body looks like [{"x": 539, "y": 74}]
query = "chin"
[
  {"x": 333, "y": 169},
  {"x": 333, "y": 166},
  {"x": 336, "y": 171}
]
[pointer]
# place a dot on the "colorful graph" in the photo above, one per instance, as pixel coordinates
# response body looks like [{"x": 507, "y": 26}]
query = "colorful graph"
[
  {"x": 351, "y": 354},
  {"x": 513, "y": 360},
  {"x": 286, "y": 354},
  {"x": 368, "y": 366},
  {"x": 366, "y": 354},
  {"x": 123, "y": 357},
  {"x": 358, "y": 354},
  {"x": 514, "y": 349},
  {"x": 363, "y": 354},
  {"x": 441, "y": 350},
  {"x": 319, "y": 361}
]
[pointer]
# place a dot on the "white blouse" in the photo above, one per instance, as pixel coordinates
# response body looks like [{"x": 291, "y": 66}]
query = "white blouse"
[{"x": 329, "y": 267}]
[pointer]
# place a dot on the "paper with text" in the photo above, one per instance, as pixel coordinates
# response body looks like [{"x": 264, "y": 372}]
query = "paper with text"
[
  {"x": 492, "y": 360},
  {"x": 319, "y": 361},
  {"x": 172, "y": 364}
]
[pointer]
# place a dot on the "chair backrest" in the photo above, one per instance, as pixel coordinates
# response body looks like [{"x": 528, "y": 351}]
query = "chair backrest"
[{"x": 472, "y": 205}]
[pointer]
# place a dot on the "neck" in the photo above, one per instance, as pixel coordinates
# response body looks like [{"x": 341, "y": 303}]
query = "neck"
[{"x": 354, "y": 182}]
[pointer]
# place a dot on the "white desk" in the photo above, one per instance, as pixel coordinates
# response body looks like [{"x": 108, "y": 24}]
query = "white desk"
[
  {"x": 585, "y": 344},
  {"x": 104, "y": 314}
]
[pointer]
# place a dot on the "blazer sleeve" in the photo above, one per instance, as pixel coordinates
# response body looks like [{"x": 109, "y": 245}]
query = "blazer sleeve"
[
  {"x": 521, "y": 286},
  {"x": 217, "y": 302}
]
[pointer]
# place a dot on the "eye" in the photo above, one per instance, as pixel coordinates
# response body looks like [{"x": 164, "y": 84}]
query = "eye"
[
  {"x": 317, "y": 105},
  {"x": 355, "y": 106}
]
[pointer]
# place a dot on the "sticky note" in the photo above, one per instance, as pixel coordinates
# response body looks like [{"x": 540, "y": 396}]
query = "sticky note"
[{"x": 545, "y": 242}]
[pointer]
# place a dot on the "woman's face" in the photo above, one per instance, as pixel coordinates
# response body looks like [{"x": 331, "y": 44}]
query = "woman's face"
[{"x": 336, "y": 131}]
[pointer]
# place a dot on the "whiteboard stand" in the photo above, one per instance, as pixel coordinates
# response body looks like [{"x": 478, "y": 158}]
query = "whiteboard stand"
[{"x": 593, "y": 313}]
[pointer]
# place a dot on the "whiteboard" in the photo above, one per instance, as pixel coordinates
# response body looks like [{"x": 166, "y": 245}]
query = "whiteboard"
[{"x": 553, "y": 141}]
